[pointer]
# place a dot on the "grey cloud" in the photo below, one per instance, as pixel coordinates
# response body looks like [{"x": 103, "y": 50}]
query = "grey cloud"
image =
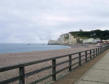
[{"x": 40, "y": 20}]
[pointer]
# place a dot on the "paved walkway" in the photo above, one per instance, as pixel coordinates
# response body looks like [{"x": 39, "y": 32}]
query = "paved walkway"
[{"x": 98, "y": 74}]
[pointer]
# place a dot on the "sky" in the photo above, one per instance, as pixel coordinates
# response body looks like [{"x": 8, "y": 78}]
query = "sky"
[{"x": 37, "y": 21}]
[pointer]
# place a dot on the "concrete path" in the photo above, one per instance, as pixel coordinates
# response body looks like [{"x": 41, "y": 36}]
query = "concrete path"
[{"x": 98, "y": 74}]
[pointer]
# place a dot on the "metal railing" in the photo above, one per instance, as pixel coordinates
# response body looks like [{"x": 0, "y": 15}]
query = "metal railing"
[{"x": 88, "y": 55}]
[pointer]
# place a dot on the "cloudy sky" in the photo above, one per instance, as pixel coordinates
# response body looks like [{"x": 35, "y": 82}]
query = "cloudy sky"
[{"x": 37, "y": 21}]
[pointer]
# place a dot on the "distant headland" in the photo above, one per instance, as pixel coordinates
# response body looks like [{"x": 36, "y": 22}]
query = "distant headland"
[{"x": 81, "y": 36}]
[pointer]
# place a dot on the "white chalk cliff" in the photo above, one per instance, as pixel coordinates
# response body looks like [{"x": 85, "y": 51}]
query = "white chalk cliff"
[{"x": 64, "y": 39}]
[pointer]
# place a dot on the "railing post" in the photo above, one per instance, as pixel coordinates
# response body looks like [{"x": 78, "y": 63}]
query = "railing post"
[
  {"x": 54, "y": 69},
  {"x": 90, "y": 54},
  {"x": 70, "y": 62},
  {"x": 86, "y": 56},
  {"x": 22, "y": 75},
  {"x": 80, "y": 59},
  {"x": 96, "y": 52},
  {"x": 99, "y": 50}
]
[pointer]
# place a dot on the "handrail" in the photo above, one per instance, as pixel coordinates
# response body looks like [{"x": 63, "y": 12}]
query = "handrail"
[
  {"x": 35, "y": 62},
  {"x": 92, "y": 53}
]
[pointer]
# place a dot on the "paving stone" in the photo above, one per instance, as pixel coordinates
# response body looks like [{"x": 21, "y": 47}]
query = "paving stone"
[
  {"x": 98, "y": 74},
  {"x": 89, "y": 82},
  {"x": 101, "y": 66}
]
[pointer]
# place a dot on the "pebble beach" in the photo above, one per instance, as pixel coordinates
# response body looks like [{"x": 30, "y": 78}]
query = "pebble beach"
[{"x": 19, "y": 58}]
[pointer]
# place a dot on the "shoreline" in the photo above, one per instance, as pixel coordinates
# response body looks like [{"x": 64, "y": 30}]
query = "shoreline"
[
  {"x": 40, "y": 50},
  {"x": 16, "y": 58},
  {"x": 32, "y": 51}
]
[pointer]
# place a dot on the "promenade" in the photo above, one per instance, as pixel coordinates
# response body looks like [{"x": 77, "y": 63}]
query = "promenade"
[
  {"x": 97, "y": 74},
  {"x": 94, "y": 72}
]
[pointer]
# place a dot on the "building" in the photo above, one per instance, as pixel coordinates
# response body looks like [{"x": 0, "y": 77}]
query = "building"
[{"x": 91, "y": 40}]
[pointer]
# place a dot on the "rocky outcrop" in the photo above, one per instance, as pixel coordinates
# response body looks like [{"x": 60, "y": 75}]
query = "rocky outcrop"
[
  {"x": 64, "y": 39},
  {"x": 52, "y": 42}
]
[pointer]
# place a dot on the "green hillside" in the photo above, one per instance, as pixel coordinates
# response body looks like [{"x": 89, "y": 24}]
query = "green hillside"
[{"x": 103, "y": 35}]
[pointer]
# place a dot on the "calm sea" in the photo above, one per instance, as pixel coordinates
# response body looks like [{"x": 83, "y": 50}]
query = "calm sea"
[{"x": 12, "y": 48}]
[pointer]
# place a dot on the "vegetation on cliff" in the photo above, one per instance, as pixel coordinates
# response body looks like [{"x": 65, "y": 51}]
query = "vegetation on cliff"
[{"x": 103, "y": 35}]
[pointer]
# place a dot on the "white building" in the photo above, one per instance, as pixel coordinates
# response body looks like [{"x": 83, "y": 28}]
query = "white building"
[{"x": 91, "y": 40}]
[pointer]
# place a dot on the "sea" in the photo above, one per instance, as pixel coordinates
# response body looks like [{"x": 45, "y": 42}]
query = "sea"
[{"x": 17, "y": 48}]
